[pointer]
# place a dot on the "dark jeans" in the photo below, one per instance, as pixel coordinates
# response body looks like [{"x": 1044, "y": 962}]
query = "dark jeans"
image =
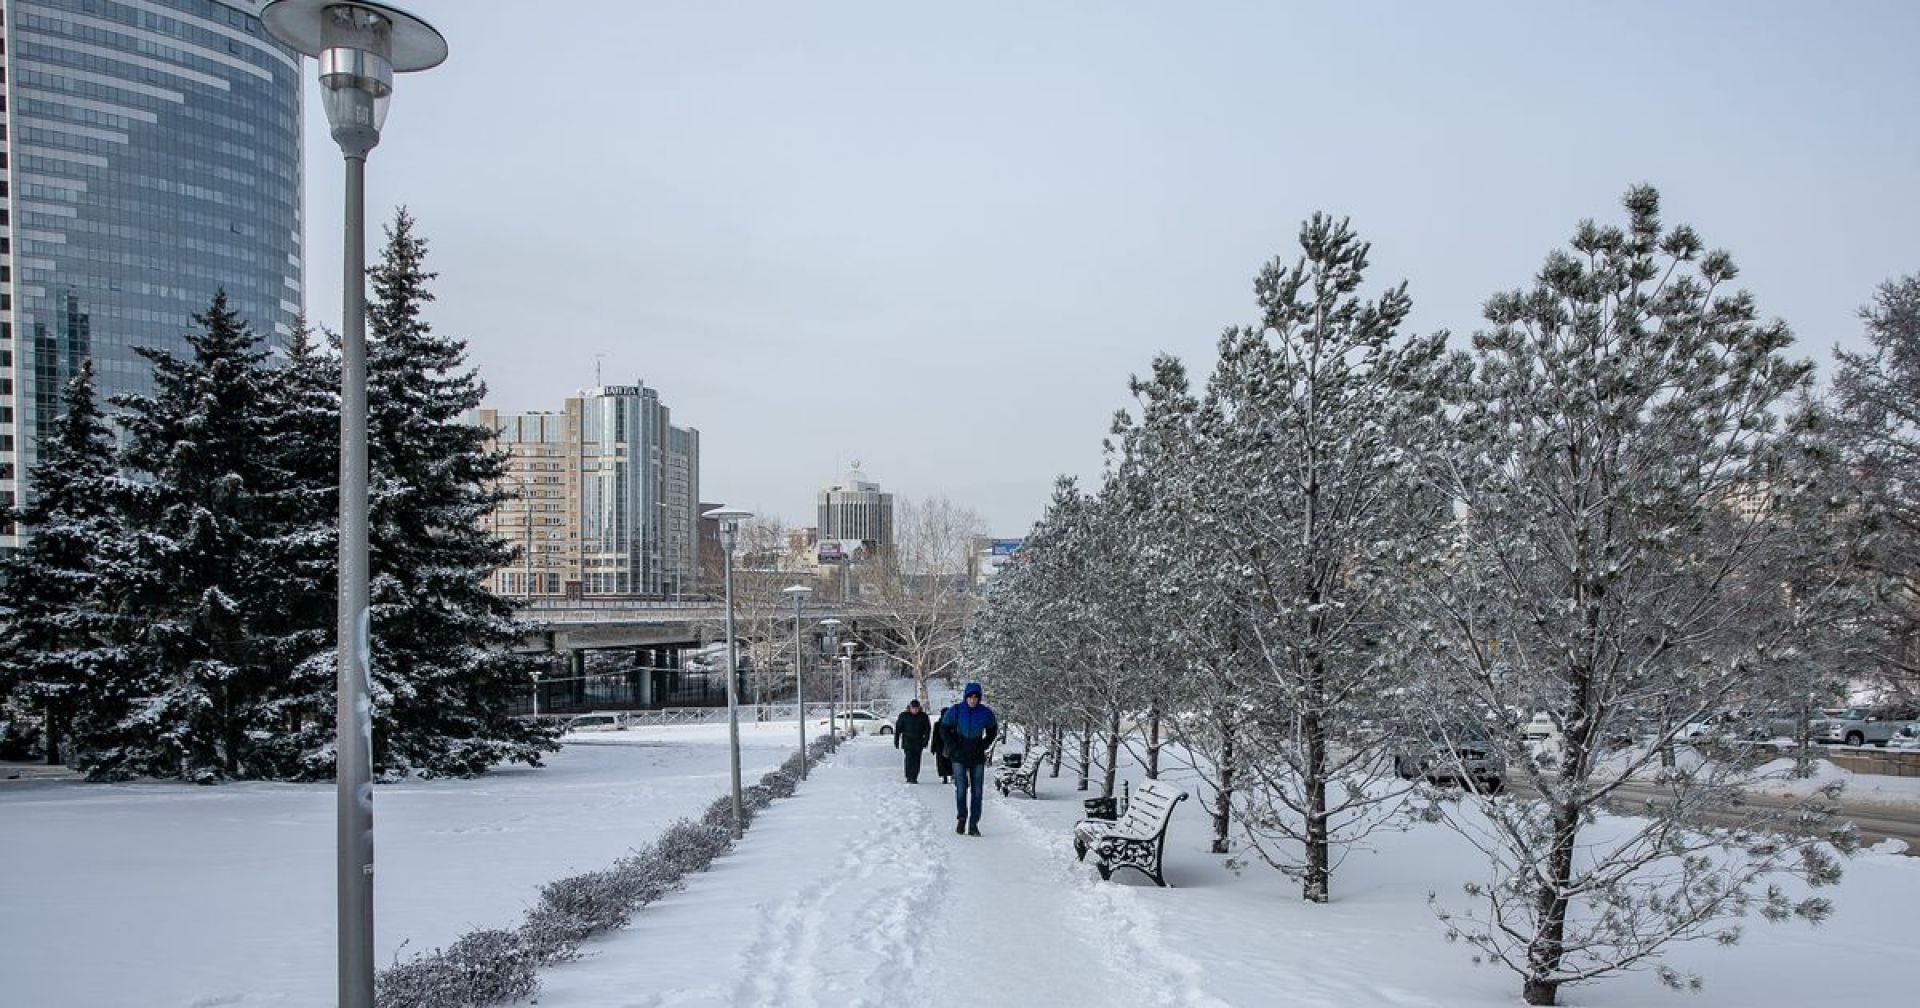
[
  {"x": 913, "y": 763},
  {"x": 967, "y": 778}
]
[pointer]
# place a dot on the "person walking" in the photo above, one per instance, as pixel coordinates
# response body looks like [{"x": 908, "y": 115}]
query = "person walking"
[
  {"x": 941, "y": 764},
  {"x": 910, "y": 731},
  {"x": 969, "y": 728}
]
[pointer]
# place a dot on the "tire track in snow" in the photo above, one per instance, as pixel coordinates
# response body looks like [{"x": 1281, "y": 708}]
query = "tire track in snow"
[{"x": 847, "y": 936}]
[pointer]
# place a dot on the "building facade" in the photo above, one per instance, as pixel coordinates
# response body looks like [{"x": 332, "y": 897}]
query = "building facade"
[
  {"x": 603, "y": 497},
  {"x": 856, "y": 510},
  {"x": 149, "y": 156}
]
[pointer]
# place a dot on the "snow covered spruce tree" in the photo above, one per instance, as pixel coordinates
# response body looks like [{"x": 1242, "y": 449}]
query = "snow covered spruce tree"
[
  {"x": 192, "y": 582},
  {"x": 301, "y": 439},
  {"x": 1621, "y": 470},
  {"x": 1311, "y": 435},
  {"x": 442, "y": 674},
  {"x": 1877, "y": 406},
  {"x": 54, "y": 628}
]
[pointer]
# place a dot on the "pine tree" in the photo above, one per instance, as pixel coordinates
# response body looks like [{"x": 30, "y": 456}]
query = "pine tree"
[
  {"x": 54, "y": 630},
  {"x": 187, "y": 692},
  {"x": 1624, "y": 478},
  {"x": 1311, "y": 432},
  {"x": 1875, "y": 393},
  {"x": 443, "y": 674},
  {"x": 299, "y": 543}
]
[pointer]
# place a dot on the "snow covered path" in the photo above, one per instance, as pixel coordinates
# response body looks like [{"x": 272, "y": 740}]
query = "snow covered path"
[{"x": 884, "y": 899}]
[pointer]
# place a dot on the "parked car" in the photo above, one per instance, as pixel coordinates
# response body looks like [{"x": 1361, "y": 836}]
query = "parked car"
[
  {"x": 599, "y": 721},
  {"x": 854, "y": 722},
  {"x": 1456, "y": 760},
  {"x": 1908, "y": 737},
  {"x": 1860, "y": 725}
]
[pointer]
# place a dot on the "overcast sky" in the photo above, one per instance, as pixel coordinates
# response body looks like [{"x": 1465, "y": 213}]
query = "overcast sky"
[{"x": 938, "y": 238}]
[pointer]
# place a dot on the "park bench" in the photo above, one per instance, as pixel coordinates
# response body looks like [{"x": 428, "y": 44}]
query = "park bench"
[
  {"x": 1138, "y": 840},
  {"x": 1024, "y": 776}
]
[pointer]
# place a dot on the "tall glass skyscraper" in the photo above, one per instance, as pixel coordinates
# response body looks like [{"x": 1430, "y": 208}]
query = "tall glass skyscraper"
[{"x": 149, "y": 155}]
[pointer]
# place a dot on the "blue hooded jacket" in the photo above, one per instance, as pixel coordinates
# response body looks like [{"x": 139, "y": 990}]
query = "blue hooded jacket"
[{"x": 967, "y": 731}]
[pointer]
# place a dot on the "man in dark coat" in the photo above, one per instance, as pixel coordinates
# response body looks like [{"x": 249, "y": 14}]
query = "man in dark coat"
[
  {"x": 941, "y": 764},
  {"x": 967, "y": 732},
  {"x": 910, "y": 731}
]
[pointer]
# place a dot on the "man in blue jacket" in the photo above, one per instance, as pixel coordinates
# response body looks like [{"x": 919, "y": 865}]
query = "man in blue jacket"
[{"x": 967, "y": 730}]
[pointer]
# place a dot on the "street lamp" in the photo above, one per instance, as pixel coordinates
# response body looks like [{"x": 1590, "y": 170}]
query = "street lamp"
[
  {"x": 831, "y": 626},
  {"x": 360, "y": 46},
  {"x": 799, "y": 593},
  {"x": 535, "y": 673},
  {"x": 730, "y": 519},
  {"x": 850, "y": 647}
]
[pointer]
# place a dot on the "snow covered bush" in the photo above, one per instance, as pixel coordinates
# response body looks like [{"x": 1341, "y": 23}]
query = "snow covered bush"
[{"x": 483, "y": 967}]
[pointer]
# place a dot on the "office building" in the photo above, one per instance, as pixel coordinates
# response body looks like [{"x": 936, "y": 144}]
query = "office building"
[
  {"x": 855, "y": 510},
  {"x": 605, "y": 497},
  {"x": 149, "y": 156}
]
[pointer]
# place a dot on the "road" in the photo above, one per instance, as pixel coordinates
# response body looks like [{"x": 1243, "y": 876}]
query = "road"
[{"x": 1875, "y": 822}]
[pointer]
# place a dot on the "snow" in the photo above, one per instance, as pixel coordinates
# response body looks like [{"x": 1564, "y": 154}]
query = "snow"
[{"x": 856, "y": 891}]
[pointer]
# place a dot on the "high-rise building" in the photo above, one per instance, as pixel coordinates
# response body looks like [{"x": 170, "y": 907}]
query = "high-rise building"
[
  {"x": 149, "y": 156},
  {"x": 857, "y": 510},
  {"x": 605, "y": 497}
]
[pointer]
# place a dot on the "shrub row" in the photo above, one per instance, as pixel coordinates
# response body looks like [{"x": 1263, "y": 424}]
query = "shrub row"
[{"x": 494, "y": 967}]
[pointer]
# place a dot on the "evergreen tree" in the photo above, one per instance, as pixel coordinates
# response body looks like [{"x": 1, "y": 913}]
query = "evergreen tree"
[
  {"x": 1311, "y": 433},
  {"x": 299, "y": 543},
  {"x": 53, "y": 633},
  {"x": 187, "y": 694},
  {"x": 1877, "y": 407},
  {"x": 1627, "y": 487},
  {"x": 443, "y": 674}
]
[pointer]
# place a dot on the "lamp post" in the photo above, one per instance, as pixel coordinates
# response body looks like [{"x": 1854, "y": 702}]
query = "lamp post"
[
  {"x": 831, "y": 626},
  {"x": 799, "y": 593},
  {"x": 850, "y": 647},
  {"x": 360, "y": 45},
  {"x": 730, "y": 519},
  {"x": 535, "y": 672}
]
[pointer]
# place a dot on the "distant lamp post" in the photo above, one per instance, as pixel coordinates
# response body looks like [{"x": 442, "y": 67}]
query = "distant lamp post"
[
  {"x": 831, "y": 632},
  {"x": 360, "y": 46},
  {"x": 730, "y": 519},
  {"x": 799, "y": 593},
  {"x": 535, "y": 672},
  {"x": 850, "y": 647}
]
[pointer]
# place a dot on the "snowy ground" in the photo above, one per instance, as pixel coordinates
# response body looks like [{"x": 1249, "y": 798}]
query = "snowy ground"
[{"x": 854, "y": 892}]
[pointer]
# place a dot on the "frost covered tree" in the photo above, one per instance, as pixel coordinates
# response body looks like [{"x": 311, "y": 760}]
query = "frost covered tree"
[
  {"x": 443, "y": 676},
  {"x": 53, "y": 633},
  {"x": 1311, "y": 433},
  {"x": 1877, "y": 406},
  {"x": 188, "y": 581},
  {"x": 1621, "y": 466},
  {"x": 300, "y": 544},
  {"x": 920, "y": 589}
]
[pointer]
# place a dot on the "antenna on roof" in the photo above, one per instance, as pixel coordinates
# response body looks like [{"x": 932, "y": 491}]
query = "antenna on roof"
[{"x": 597, "y": 358}]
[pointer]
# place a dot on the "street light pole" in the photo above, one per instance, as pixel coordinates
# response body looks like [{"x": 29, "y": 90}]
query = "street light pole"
[
  {"x": 832, "y": 627},
  {"x": 850, "y": 647},
  {"x": 799, "y": 593},
  {"x": 730, "y": 519},
  {"x": 360, "y": 45}
]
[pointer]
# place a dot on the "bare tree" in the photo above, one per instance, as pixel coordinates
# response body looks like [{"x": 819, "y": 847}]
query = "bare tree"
[{"x": 920, "y": 590}]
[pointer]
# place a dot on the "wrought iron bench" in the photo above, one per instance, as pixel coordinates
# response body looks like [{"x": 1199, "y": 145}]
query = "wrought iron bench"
[
  {"x": 1024, "y": 776},
  {"x": 1138, "y": 840}
]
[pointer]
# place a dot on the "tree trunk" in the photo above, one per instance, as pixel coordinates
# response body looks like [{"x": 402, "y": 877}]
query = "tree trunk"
[
  {"x": 1153, "y": 742},
  {"x": 1113, "y": 753},
  {"x": 1223, "y": 800},
  {"x": 1086, "y": 753},
  {"x": 1548, "y": 947},
  {"x": 1317, "y": 881},
  {"x": 53, "y": 734},
  {"x": 1058, "y": 734}
]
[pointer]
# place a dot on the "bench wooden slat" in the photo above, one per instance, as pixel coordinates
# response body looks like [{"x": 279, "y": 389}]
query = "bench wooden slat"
[{"x": 1138, "y": 840}]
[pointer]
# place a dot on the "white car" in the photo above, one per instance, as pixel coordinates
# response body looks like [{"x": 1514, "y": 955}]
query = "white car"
[
  {"x": 598, "y": 722},
  {"x": 856, "y": 721}
]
